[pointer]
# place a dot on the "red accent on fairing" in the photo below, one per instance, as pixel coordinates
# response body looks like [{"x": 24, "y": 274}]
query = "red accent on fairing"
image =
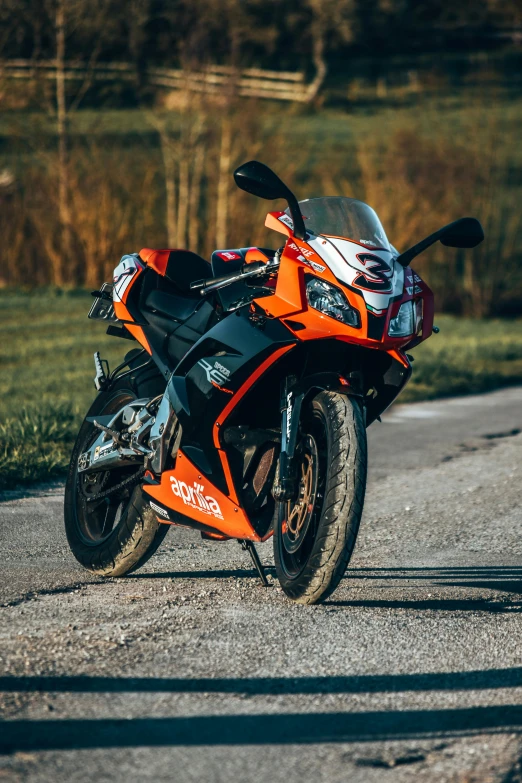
[
  {"x": 228, "y": 255},
  {"x": 399, "y": 356},
  {"x": 139, "y": 334},
  {"x": 123, "y": 314},
  {"x": 156, "y": 259},
  {"x": 227, "y": 410}
]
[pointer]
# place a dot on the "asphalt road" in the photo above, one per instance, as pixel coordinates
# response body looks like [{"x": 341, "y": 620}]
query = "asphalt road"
[{"x": 190, "y": 671}]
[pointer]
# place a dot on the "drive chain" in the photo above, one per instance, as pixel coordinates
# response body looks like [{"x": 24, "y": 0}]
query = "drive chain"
[{"x": 129, "y": 481}]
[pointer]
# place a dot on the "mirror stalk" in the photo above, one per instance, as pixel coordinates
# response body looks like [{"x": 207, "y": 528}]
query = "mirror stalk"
[
  {"x": 466, "y": 232},
  {"x": 297, "y": 218},
  {"x": 256, "y": 178}
]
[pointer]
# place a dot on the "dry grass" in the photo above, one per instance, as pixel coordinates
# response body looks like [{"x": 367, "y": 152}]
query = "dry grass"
[{"x": 171, "y": 185}]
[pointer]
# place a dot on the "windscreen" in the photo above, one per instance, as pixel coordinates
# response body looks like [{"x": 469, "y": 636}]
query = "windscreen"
[{"x": 349, "y": 218}]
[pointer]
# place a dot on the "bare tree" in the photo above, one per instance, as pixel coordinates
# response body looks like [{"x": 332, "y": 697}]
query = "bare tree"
[
  {"x": 64, "y": 210},
  {"x": 331, "y": 23},
  {"x": 67, "y": 17}
]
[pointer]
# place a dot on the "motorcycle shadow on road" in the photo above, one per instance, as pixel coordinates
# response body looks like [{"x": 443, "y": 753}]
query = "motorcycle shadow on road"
[
  {"x": 493, "y": 579},
  {"x": 491, "y": 584}
]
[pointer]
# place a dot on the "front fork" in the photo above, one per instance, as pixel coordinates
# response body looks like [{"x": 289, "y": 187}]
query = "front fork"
[
  {"x": 285, "y": 486},
  {"x": 293, "y": 392}
]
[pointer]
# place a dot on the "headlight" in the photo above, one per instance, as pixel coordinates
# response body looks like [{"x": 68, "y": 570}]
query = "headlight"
[
  {"x": 331, "y": 301},
  {"x": 404, "y": 322}
]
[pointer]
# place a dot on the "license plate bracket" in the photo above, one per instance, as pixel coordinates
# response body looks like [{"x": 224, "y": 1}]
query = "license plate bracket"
[{"x": 103, "y": 306}]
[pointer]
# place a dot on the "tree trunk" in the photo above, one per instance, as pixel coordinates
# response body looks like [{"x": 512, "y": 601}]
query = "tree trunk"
[
  {"x": 225, "y": 158},
  {"x": 195, "y": 195},
  {"x": 319, "y": 63},
  {"x": 64, "y": 211},
  {"x": 183, "y": 199},
  {"x": 170, "y": 188}
]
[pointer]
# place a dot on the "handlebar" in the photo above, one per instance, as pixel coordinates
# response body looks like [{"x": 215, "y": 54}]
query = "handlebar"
[{"x": 256, "y": 268}]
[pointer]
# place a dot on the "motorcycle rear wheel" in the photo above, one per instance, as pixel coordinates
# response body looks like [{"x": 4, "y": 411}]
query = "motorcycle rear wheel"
[
  {"x": 315, "y": 535},
  {"x": 116, "y": 535}
]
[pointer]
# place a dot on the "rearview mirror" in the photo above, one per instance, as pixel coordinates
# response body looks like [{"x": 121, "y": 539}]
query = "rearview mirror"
[
  {"x": 466, "y": 232},
  {"x": 256, "y": 178}
]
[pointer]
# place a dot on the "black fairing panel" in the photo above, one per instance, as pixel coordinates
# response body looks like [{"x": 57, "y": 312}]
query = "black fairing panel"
[
  {"x": 172, "y": 321},
  {"x": 389, "y": 380},
  {"x": 215, "y": 368}
]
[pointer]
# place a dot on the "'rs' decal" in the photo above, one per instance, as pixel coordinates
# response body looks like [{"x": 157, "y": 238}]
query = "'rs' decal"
[{"x": 377, "y": 276}]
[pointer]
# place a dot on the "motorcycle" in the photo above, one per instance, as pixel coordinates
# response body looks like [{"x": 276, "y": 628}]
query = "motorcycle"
[{"x": 243, "y": 412}]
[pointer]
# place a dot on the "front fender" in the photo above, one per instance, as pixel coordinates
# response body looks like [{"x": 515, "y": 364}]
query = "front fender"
[{"x": 351, "y": 386}]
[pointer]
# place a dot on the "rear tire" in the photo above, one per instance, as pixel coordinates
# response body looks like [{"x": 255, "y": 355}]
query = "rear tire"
[
  {"x": 133, "y": 533},
  {"x": 314, "y": 537}
]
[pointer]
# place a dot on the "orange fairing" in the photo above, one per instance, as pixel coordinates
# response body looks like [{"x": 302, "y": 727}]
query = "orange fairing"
[
  {"x": 289, "y": 301},
  {"x": 273, "y": 221},
  {"x": 139, "y": 334},
  {"x": 255, "y": 254},
  {"x": 185, "y": 490},
  {"x": 156, "y": 259},
  {"x": 122, "y": 314}
]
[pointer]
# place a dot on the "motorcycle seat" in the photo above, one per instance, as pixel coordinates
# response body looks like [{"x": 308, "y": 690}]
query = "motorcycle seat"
[{"x": 181, "y": 267}]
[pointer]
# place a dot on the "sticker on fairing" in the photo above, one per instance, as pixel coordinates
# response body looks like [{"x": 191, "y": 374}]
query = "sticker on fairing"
[
  {"x": 286, "y": 220},
  {"x": 159, "y": 510},
  {"x": 217, "y": 374},
  {"x": 313, "y": 264},
  {"x": 227, "y": 255},
  {"x": 124, "y": 274},
  {"x": 194, "y": 497}
]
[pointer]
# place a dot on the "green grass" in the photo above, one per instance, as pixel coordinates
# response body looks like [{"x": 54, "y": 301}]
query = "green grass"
[
  {"x": 46, "y": 380},
  {"x": 47, "y": 369},
  {"x": 457, "y": 115},
  {"x": 467, "y": 357}
]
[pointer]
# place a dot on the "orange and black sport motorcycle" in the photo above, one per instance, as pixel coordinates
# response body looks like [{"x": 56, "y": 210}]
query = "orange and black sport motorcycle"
[{"x": 243, "y": 414}]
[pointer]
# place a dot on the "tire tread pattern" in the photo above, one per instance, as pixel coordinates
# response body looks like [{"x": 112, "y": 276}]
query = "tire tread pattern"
[{"x": 343, "y": 502}]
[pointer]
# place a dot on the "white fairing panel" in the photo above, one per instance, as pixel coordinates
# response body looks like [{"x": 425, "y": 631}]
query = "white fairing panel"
[
  {"x": 374, "y": 272},
  {"x": 124, "y": 273}
]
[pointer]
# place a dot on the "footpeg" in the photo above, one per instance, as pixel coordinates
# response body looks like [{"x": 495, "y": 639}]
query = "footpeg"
[
  {"x": 102, "y": 372},
  {"x": 107, "y": 430}
]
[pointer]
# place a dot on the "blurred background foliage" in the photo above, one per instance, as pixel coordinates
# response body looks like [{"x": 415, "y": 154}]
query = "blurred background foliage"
[{"x": 414, "y": 107}]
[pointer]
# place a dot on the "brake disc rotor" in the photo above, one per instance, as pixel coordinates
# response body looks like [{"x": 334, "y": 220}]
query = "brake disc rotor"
[{"x": 299, "y": 512}]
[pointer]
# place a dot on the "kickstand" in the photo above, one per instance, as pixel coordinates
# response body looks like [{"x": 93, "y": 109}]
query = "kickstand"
[{"x": 252, "y": 551}]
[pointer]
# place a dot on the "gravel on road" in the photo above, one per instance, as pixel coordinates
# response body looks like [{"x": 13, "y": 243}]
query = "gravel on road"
[{"x": 189, "y": 670}]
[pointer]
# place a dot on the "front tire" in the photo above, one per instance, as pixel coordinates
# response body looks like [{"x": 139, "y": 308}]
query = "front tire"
[{"x": 315, "y": 535}]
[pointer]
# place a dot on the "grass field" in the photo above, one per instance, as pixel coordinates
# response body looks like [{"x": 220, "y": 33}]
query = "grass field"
[{"x": 47, "y": 369}]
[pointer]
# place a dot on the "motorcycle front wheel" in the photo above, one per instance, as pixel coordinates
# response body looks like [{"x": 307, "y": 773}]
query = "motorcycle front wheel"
[{"x": 315, "y": 533}]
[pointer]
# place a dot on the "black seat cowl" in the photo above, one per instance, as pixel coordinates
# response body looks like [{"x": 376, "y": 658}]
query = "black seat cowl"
[
  {"x": 184, "y": 268},
  {"x": 177, "y": 307}
]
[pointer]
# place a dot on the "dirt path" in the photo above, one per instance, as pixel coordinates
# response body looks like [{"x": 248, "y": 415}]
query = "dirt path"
[{"x": 190, "y": 671}]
